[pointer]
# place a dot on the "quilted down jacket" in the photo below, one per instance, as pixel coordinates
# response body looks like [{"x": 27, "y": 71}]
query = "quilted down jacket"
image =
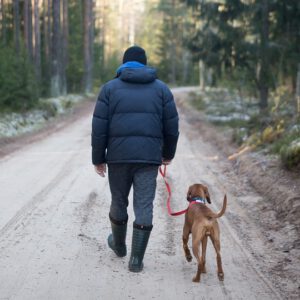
[{"x": 135, "y": 120}]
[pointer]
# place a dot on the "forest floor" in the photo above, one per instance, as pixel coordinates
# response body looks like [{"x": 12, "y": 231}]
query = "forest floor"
[{"x": 54, "y": 220}]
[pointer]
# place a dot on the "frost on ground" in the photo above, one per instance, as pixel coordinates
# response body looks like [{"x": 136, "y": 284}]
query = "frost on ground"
[
  {"x": 222, "y": 105},
  {"x": 14, "y": 124},
  {"x": 275, "y": 132}
]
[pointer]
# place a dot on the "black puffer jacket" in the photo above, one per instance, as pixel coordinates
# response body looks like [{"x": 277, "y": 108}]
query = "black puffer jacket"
[{"x": 135, "y": 120}]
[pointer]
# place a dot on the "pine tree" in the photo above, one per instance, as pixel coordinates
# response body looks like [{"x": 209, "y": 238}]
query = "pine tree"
[
  {"x": 88, "y": 45},
  {"x": 16, "y": 18},
  {"x": 37, "y": 40},
  {"x": 28, "y": 28},
  {"x": 56, "y": 80}
]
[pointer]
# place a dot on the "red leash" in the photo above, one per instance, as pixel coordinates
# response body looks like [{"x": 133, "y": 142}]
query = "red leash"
[{"x": 163, "y": 174}]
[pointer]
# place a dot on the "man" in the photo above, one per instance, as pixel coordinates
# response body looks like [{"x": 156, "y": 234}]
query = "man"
[{"x": 134, "y": 130}]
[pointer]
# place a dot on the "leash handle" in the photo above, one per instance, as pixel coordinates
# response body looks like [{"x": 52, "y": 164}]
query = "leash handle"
[{"x": 163, "y": 173}]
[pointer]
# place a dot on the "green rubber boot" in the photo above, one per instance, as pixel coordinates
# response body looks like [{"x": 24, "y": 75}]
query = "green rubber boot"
[
  {"x": 140, "y": 239},
  {"x": 117, "y": 239}
]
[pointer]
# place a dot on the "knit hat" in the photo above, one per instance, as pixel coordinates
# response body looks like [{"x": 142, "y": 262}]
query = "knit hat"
[{"x": 135, "y": 53}]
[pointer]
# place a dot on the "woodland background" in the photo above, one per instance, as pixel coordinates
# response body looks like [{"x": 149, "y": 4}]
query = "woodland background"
[{"x": 50, "y": 48}]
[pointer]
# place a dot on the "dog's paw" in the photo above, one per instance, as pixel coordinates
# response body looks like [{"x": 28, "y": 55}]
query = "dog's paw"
[
  {"x": 196, "y": 279},
  {"x": 221, "y": 276},
  {"x": 189, "y": 258}
]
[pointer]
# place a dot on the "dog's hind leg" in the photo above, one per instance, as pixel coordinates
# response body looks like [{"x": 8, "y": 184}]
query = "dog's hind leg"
[
  {"x": 216, "y": 242},
  {"x": 204, "y": 245},
  {"x": 185, "y": 239},
  {"x": 199, "y": 235}
]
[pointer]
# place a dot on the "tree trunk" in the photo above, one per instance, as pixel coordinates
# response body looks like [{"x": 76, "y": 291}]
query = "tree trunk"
[
  {"x": 263, "y": 79},
  {"x": 26, "y": 25},
  {"x": 185, "y": 66},
  {"x": 37, "y": 40},
  {"x": 49, "y": 28},
  {"x": 103, "y": 32},
  {"x": 92, "y": 36},
  {"x": 173, "y": 60},
  {"x": 45, "y": 31},
  {"x": 65, "y": 39},
  {"x": 30, "y": 39},
  {"x": 16, "y": 17},
  {"x": 56, "y": 51},
  {"x": 2, "y": 20},
  {"x": 88, "y": 45},
  {"x": 27, "y": 15},
  {"x": 46, "y": 28},
  {"x": 298, "y": 91},
  {"x": 201, "y": 75}
]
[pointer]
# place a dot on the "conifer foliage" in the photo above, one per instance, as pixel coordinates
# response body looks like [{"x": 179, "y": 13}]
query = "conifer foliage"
[
  {"x": 254, "y": 42},
  {"x": 46, "y": 49}
]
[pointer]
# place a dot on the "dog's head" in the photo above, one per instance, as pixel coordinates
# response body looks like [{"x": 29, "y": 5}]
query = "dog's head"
[{"x": 198, "y": 190}]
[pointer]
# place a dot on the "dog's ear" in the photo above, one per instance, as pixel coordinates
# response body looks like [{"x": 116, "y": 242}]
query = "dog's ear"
[
  {"x": 207, "y": 196},
  {"x": 189, "y": 193}
]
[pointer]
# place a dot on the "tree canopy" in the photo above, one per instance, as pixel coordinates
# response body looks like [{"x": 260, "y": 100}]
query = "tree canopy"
[{"x": 51, "y": 47}]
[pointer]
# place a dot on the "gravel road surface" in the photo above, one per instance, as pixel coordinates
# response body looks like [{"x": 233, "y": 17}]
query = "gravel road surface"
[{"x": 54, "y": 224}]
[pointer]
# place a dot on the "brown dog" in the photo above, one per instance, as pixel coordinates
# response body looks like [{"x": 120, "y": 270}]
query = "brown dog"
[{"x": 202, "y": 222}]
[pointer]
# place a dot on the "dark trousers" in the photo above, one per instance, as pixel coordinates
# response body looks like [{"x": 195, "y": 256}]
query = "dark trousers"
[{"x": 142, "y": 177}]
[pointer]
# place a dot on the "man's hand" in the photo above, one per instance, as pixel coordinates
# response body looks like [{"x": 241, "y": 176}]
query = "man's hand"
[
  {"x": 100, "y": 169},
  {"x": 166, "y": 161}
]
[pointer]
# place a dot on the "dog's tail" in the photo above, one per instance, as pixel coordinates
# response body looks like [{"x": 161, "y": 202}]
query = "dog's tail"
[{"x": 221, "y": 213}]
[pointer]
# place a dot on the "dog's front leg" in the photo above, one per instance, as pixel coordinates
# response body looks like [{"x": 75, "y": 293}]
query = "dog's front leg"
[{"x": 185, "y": 239}]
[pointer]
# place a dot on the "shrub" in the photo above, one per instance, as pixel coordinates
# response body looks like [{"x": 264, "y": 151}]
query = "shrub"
[
  {"x": 290, "y": 154},
  {"x": 18, "y": 87}
]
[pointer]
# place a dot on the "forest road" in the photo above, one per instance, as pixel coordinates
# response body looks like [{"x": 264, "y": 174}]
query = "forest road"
[{"x": 54, "y": 224}]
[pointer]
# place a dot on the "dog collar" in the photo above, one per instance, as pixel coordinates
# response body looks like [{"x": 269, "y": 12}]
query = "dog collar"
[{"x": 199, "y": 200}]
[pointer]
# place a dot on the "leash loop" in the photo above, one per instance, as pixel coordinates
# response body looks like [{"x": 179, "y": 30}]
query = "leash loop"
[{"x": 163, "y": 173}]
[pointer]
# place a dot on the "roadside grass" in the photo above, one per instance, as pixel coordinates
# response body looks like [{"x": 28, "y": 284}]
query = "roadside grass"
[
  {"x": 14, "y": 123},
  {"x": 276, "y": 132}
]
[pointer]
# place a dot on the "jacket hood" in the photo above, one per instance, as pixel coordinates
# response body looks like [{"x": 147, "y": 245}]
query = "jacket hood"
[{"x": 140, "y": 75}]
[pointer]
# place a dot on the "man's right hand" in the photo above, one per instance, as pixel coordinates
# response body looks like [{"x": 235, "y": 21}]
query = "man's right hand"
[{"x": 100, "y": 169}]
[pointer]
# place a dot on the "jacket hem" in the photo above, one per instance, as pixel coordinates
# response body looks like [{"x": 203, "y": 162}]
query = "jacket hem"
[{"x": 155, "y": 162}]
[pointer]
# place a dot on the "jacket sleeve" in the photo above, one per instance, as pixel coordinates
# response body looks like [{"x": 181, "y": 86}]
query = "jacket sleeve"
[
  {"x": 170, "y": 125},
  {"x": 100, "y": 128}
]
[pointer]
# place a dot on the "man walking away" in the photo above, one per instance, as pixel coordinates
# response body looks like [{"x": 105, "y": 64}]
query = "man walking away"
[{"x": 134, "y": 131}]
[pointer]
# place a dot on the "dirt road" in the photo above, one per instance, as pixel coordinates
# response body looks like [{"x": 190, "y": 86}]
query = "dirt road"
[{"x": 54, "y": 224}]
